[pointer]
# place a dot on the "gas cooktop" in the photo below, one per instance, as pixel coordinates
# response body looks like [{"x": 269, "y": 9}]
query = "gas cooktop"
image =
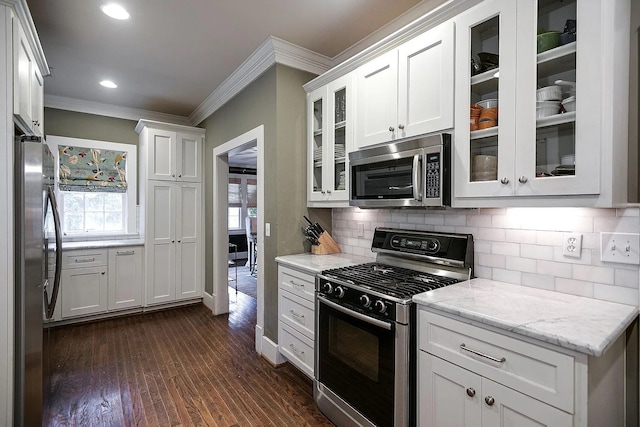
[{"x": 389, "y": 280}]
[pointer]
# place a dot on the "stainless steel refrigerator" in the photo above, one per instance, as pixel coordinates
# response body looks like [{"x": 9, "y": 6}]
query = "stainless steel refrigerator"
[{"x": 37, "y": 274}]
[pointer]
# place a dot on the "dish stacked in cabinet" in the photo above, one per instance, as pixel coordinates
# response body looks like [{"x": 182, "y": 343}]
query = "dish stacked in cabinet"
[{"x": 296, "y": 317}]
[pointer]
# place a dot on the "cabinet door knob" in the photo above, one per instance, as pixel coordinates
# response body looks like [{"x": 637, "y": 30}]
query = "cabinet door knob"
[
  {"x": 471, "y": 392},
  {"x": 328, "y": 191},
  {"x": 173, "y": 241},
  {"x": 489, "y": 400},
  {"x": 180, "y": 176},
  {"x": 179, "y": 241},
  {"x": 505, "y": 181},
  {"x": 400, "y": 126},
  {"x": 103, "y": 272},
  {"x": 391, "y": 129},
  {"x": 173, "y": 175},
  {"x": 523, "y": 179}
]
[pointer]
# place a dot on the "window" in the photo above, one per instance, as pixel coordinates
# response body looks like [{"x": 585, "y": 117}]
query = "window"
[
  {"x": 243, "y": 190},
  {"x": 102, "y": 211}
]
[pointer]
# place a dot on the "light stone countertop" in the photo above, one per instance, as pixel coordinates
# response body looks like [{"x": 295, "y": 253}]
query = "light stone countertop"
[
  {"x": 314, "y": 264},
  {"x": 99, "y": 244},
  {"x": 581, "y": 324}
]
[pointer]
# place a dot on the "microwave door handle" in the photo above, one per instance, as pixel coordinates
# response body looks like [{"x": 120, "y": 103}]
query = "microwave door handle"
[{"x": 416, "y": 174}]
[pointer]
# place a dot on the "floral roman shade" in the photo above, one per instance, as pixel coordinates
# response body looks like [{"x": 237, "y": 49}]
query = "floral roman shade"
[{"x": 90, "y": 169}]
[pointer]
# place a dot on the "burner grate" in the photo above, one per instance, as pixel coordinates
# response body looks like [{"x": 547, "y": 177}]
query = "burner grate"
[{"x": 393, "y": 281}]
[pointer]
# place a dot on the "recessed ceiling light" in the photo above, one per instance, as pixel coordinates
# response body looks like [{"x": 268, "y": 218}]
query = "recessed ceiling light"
[
  {"x": 114, "y": 11},
  {"x": 109, "y": 84}
]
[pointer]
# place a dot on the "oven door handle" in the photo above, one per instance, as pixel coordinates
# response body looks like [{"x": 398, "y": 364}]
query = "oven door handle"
[{"x": 375, "y": 322}]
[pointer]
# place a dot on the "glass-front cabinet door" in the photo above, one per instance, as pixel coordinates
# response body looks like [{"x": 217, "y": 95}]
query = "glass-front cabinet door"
[
  {"x": 485, "y": 100},
  {"x": 558, "y": 144},
  {"x": 330, "y": 110}
]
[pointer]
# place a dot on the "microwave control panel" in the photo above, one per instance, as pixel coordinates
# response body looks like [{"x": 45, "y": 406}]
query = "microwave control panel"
[{"x": 432, "y": 169}]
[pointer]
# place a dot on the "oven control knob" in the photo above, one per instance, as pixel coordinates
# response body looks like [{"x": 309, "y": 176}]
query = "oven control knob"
[
  {"x": 380, "y": 307},
  {"x": 339, "y": 291},
  {"x": 327, "y": 288},
  {"x": 365, "y": 300}
]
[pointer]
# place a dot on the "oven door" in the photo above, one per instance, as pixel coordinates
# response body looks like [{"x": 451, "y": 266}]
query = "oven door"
[{"x": 356, "y": 359}]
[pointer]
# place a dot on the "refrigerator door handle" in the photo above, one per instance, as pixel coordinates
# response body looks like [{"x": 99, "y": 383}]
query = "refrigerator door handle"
[{"x": 58, "y": 232}]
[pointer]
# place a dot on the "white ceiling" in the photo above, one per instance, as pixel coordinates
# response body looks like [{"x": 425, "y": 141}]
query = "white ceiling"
[{"x": 172, "y": 54}]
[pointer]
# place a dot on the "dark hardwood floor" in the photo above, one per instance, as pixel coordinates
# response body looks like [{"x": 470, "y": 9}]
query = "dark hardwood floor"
[{"x": 178, "y": 367}]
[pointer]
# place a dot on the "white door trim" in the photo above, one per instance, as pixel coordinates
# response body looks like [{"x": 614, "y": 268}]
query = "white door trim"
[{"x": 220, "y": 294}]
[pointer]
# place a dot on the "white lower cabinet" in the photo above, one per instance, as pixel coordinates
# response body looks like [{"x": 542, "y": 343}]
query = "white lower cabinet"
[
  {"x": 99, "y": 281},
  {"x": 296, "y": 318},
  {"x": 125, "y": 278},
  {"x": 83, "y": 283},
  {"x": 469, "y": 375},
  {"x": 455, "y": 397}
]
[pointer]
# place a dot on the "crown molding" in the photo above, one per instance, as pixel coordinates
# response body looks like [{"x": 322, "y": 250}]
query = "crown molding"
[
  {"x": 110, "y": 110},
  {"x": 272, "y": 51},
  {"x": 424, "y": 22}
]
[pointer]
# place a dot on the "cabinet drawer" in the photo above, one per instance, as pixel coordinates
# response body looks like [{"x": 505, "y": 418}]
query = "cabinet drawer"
[
  {"x": 85, "y": 258},
  {"x": 297, "y": 283},
  {"x": 297, "y": 313},
  {"x": 297, "y": 348},
  {"x": 536, "y": 371}
]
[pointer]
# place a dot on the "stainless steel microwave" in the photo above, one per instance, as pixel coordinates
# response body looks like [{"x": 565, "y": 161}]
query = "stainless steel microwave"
[{"x": 411, "y": 173}]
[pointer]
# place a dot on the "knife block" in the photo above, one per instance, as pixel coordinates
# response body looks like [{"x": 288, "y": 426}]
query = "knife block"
[{"x": 327, "y": 245}]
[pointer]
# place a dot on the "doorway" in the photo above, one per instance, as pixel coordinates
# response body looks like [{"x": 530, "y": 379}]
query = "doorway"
[{"x": 221, "y": 154}]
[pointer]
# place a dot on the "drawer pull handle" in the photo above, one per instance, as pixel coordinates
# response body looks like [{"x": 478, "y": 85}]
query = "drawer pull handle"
[
  {"x": 477, "y": 353},
  {"x": 298, "y": 315},
  {"x": 471, "y": 392},
  {"x": 297, "y": 352},
  {"x": 80, "y": 260},
  {"x": 489, "y": 400},
  {"x": 125, "y": 252},
  {"x": 298, "y": 285}
]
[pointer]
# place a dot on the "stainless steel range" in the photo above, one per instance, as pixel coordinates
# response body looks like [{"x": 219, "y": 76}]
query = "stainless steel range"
[{"x": 365, "y": 325}]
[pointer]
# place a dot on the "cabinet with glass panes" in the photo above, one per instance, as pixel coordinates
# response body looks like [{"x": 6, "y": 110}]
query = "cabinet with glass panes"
[
  {"x": 532, "y": 108},
  {"x": 330, "y": 121}
]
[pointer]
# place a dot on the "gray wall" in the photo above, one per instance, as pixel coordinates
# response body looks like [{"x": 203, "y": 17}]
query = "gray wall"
[
  {"x": 89, "y": 126},
  {"x": 277, "y": 101}
]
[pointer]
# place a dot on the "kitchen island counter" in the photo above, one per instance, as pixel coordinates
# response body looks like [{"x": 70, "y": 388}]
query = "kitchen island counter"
[
  {"x": 314, "y": 264},
  {"x": 576, "y": 323}
]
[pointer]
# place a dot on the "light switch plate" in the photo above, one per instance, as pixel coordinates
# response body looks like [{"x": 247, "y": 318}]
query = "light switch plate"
[
  {"x": 572, "y": 245},
  {"x": 623, "y": 248},
  {"x": 267, "y": 229}
]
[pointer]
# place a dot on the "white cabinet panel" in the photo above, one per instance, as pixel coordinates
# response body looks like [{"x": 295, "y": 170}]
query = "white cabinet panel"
[
  {"x": 189, "y": 154},
  {"x": 125, "y": 278},
  {"x": 83, "y": 291},
  {"x": 162, "y": 162}
]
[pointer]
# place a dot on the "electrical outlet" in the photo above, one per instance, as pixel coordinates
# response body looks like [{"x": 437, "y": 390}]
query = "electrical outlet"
[
  {"x": 572, "y": 245},
  {"x": 360, "y": 229},
  {"x": 620, "y": 247}
]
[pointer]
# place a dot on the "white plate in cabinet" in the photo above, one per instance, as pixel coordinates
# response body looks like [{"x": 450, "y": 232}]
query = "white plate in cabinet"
[
  {"x": 297, "y": 348},
  {"x": 455, "y": 397},
  {"x": 297, "y": 313},
  {"x": 539, "y": 372},
  {"x": 300, "y": 284}
]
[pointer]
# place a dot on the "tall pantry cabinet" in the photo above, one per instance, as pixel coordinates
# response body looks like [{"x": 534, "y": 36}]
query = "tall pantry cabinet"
[{"x": 171, "y": 173}]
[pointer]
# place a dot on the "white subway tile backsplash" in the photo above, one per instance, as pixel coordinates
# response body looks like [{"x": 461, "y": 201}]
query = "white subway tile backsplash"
[
  {"x": 536, "y": 252},
  {"x": 574, "y": 287},
  {"x": 517, "y": 245},
  {"x": 539, "y": 281},
  {"x": 503, "y": 248},
  {"x": 615, "y": 294},
  {"x": 593, "y": 274}
]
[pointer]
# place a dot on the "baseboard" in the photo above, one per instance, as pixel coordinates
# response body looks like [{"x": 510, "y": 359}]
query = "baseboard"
[
  {"x": 207, "y": 300},
  {"x": 268, "y": 349}
]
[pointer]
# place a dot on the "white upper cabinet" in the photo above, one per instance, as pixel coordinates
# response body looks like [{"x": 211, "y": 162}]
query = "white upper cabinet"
[
  {"x": 28, "y": 88},
  {"x": 546, "y": 128},
  {"x": 172, "y": 152},
  {"x": 330, "y": 138},
  {"x": 407, "y": 91}
]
